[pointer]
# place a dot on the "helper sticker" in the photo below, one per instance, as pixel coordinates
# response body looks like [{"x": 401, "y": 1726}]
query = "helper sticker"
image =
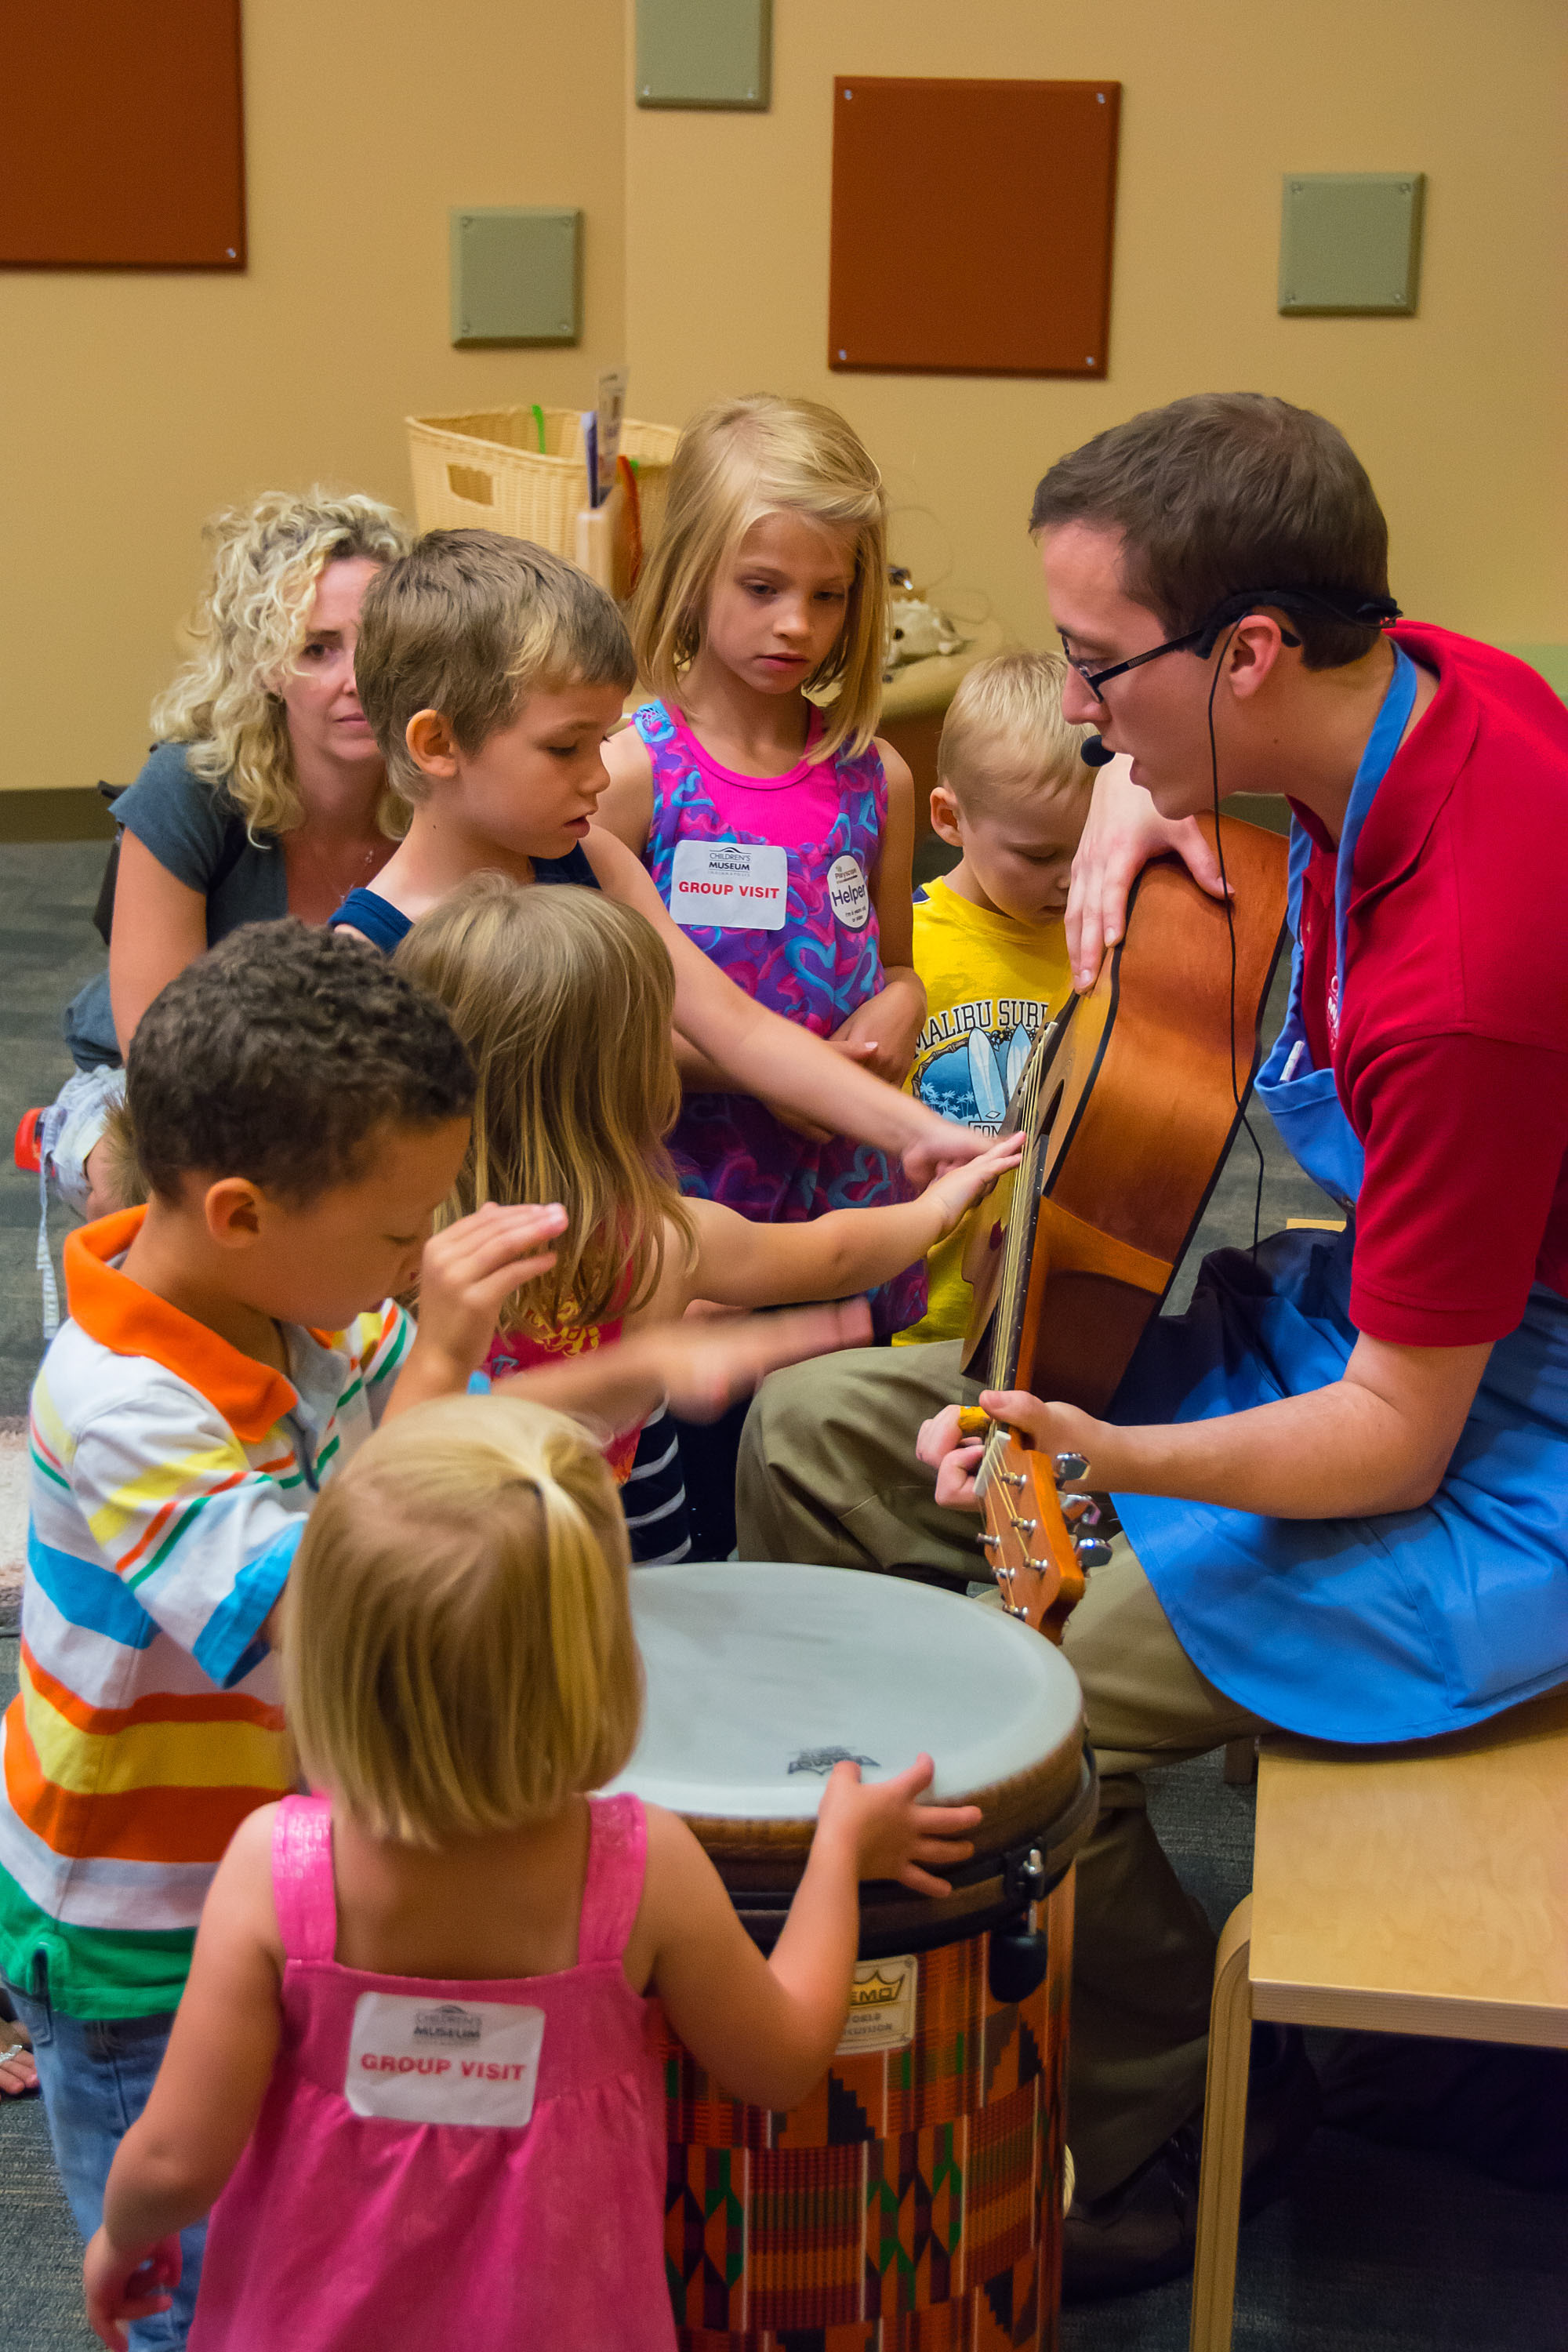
[
  {"x": 420, "y": 2060},
  {"x": 847, "y": 890},
  {"x": 738, "y": 886}
]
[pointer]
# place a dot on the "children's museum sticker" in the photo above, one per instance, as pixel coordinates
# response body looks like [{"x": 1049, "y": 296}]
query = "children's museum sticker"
[
  {"x": 419, "y": 2061},
  {"x": 848, "y": 892},
  {"x": 882, "y": 2007},
  {"x": 735, "y": 885}
]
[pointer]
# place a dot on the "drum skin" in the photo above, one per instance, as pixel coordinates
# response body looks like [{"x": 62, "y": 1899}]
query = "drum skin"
[{"x": 913, "y": 2204}]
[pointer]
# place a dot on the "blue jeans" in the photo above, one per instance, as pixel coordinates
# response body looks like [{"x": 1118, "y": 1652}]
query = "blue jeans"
[{"x": 96, "y": 2075}]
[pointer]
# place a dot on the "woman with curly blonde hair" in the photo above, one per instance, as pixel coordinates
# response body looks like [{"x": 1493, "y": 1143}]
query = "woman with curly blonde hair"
[{"x": 265, "y": 794}]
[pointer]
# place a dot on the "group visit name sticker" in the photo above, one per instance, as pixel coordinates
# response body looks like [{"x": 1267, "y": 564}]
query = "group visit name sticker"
[
  {"x": 882, "y": 2007},
  {"x": 419, "y": 2061},
  {"x": 734, "y": 885}
]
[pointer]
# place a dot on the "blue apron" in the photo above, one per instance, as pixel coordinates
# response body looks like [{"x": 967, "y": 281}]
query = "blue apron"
[{"x": 1362, "y": 1630}]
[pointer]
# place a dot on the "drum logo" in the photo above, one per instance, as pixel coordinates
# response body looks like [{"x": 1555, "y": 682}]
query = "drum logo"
[
  {"x": 882, "y": 2007},
  {"x": 823, "y": 1760}
]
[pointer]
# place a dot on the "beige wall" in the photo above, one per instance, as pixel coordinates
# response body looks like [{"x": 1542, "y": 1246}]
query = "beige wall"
[
  {"x": 1457, "y": 413},
  {"x": 135, "y": 404}
]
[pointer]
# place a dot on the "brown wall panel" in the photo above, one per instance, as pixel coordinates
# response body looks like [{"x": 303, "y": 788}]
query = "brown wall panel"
[
  {"x": 123, "y": 145},
  {"x": 972, "y": 226}
]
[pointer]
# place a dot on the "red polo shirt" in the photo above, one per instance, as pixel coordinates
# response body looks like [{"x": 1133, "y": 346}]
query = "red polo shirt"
[{"x": 1450, "y": 1042}]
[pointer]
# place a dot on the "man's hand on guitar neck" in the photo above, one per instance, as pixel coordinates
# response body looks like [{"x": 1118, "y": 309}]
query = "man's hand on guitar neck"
[
  {"x": 1124, "y": 831},
  {"x": 1376, "y": 1441},
  {"x": 955, "y": 1458}
]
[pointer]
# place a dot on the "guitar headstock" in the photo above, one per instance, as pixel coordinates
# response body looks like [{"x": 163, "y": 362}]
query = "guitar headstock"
[{"x": 1030, "y": 1547}]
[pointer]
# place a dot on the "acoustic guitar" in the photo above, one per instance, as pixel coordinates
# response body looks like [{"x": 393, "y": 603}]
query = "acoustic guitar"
[{"x": 1129, "y": 1100}]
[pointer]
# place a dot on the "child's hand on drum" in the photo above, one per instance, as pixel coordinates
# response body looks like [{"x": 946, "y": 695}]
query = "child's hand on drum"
[{"x": 890, "y": 1832}]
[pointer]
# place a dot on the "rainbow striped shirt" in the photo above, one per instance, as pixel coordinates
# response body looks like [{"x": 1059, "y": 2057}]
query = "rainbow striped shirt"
[{"x": 171, "y": 1479}]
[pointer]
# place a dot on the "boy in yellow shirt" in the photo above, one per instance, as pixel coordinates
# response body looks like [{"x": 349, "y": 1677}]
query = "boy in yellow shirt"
[{"x": 1012, "y": 793}]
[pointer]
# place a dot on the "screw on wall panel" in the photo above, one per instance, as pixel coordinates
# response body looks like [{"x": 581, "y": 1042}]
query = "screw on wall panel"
[
  {"x": 467, "y": 221},
  {"x": 843, "y": 356},
  {"x": 1100, "y": 98},
  {"x": 1090, "y": 361},
  {"x": 229, "y": 250},
  {"x": 751, "y": 93},
  {"x": 848, "y": 93},
  {"x": 1295, "y": 187},
  {"x": 648, "y": 89},
  {"x": 1405, "y": 187}
]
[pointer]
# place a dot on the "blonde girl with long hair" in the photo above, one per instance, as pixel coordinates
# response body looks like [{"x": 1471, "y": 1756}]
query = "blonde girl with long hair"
[
  {"x": 414, "y": 2071},
  {"x": 780, "y": 835},
  {"x": 563, "y": 999},
  {"x": 265, "y": 793}
]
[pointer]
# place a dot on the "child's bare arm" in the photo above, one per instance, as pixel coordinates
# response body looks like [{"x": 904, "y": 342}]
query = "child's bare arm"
[
  {"x": 762, "y": 1055},
  {"x": 626, "y": 805},
  {"x": 182, "y": 2148},
  {"x": 699, "y": 1368},
  {"x": 766, "y": 2028},
  {"x": 740, "y": 1263},
  {"x": 882, "y": 1033}
]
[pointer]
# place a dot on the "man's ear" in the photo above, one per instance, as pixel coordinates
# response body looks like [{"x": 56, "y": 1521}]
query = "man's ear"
[
  {"x": 1256, "y": 649},
  {"x": 233, "y": 1208},
  {"x": 944, "y": 817},
  {"x": 431, "y": 744}
]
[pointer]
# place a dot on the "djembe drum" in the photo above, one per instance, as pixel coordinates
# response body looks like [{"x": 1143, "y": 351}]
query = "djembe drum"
[{"x": 914, "y": 2202}]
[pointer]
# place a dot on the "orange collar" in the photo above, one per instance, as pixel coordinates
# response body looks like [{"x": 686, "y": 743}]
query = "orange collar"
[{"x": 130, "y": 1321}]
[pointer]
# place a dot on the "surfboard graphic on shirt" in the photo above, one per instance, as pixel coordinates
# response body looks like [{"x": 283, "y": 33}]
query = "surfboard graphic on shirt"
[{"x": 971, "y": 1057}]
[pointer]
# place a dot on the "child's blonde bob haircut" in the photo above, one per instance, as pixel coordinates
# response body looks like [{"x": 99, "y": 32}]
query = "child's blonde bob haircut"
[
  {"x": 459, "y": 1656},
  {"x": 563, "y": 999},
  {"x": 737, "y": 462},
  {"x": 1004, "y": 734}
]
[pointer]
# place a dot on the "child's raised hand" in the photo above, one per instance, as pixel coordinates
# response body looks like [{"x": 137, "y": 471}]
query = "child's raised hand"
[
  {"x": 470, "y": 1269},
  {"x": 892, "y": 1835},
  {"x": 706, "y": 1363},
  {"x": 119, "y": 2289},
  {"x": 957, "y": 1189}
]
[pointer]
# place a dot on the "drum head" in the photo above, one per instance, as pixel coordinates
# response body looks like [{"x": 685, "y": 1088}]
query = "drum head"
[{"x": 761, "y": 1676}]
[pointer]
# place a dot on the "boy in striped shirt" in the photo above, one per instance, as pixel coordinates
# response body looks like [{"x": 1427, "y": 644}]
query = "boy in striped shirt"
[{"x": 300, "y": 1112}]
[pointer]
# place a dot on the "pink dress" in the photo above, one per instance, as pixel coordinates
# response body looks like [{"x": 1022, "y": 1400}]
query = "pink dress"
[{"x": 450, "y": 2163}]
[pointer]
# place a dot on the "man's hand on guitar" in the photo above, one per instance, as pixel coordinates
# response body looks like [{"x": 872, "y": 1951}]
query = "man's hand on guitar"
[
  {"x": 1050, "y": 1428},
  {"x": 1124, "y": 831}
]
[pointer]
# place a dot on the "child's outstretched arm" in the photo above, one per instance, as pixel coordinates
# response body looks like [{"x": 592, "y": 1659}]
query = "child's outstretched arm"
[
  {"x": 762, "y": 1054},
  {"x": 740, "y": 1263},
  {"x": 766, "y": 2028},
  {"x": 180, "y": 2151},
  {"x": 698, "y": 1368},
  {"x": 882, "y": 1033}
]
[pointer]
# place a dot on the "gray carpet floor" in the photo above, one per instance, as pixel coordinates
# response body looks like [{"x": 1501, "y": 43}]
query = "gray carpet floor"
[{"x": 1372, "y": 2250}]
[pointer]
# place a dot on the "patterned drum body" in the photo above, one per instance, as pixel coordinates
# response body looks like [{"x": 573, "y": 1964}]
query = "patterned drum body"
[{"x": 913, "y": 2203}]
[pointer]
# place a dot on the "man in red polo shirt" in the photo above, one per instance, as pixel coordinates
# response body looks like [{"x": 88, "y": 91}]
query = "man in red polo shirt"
[{"x": 1344, "y": 1474}]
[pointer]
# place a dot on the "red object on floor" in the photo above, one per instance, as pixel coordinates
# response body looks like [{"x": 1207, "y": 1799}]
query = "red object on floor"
[{"x": 25, "y": 1151}]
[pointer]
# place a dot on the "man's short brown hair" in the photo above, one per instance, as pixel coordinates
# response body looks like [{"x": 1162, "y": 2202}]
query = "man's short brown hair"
[
  {"x": 1223, "y": 494},
  {"x": 469, "y": 623}
]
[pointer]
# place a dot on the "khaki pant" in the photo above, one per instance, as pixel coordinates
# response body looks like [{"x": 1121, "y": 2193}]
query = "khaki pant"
[{"x": 829, "y": 1473}]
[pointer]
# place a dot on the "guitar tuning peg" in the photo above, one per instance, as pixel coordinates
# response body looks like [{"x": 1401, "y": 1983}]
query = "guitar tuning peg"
[
  {"x": 1068, "y": 1466},
  {"x": 1091, "y": 1552},
  {"x": 1075, "y": 1508}
]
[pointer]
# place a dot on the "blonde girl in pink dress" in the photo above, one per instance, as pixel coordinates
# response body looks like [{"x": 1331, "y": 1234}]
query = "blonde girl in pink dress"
[{"x": 414, "y": 2073}]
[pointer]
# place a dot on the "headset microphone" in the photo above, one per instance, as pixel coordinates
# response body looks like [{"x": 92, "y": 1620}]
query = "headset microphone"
[{"x": 1095, "y": 751}]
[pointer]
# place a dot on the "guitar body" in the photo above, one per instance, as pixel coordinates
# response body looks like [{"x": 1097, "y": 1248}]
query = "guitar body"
[{"x": 1132, "y": 1101}]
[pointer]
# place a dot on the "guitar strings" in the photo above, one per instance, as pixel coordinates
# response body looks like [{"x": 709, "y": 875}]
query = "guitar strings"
[{"x": 1230, "y": 928}]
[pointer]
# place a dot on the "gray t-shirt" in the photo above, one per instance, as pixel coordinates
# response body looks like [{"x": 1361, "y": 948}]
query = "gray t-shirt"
[{"x": 196, "y": 833}]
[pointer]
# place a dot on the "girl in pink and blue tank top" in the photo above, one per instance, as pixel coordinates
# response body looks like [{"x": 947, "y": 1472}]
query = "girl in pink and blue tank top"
[
  {"x": 419, "y": 2061},
  {"x": 780, "y": 834}
]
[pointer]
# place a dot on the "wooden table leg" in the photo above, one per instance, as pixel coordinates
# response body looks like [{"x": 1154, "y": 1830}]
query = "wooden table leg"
[{"x": 1224, "y": 2133}]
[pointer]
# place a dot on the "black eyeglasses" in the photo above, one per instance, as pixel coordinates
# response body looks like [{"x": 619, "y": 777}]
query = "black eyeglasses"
[{"x": 1352, "y": 605}]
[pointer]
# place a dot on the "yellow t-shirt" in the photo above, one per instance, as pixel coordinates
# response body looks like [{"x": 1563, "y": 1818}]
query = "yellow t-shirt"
[{"x": 991, "y": 984}]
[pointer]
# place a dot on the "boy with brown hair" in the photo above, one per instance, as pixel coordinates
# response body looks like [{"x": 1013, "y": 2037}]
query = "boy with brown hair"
[{"x": 1012, "y": 793}]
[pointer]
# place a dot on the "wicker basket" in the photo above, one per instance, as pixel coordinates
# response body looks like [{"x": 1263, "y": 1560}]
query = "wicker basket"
[{"x": 485, "y": 471}]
